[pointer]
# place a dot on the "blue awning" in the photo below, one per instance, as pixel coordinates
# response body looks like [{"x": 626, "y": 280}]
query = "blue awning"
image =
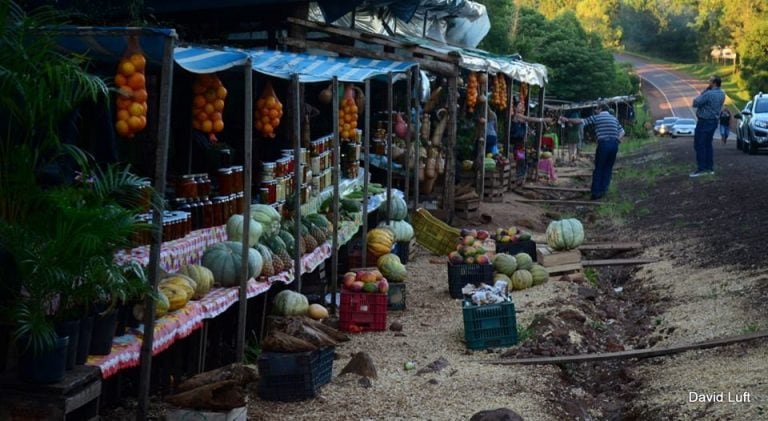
[
  {"x": 109, "y": 44},
  {"x": 317, "y": 68},
  {"x": 208, "y": 60}
]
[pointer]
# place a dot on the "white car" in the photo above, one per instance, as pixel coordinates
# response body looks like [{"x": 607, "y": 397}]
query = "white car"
[{"x": 683, "y": 127}]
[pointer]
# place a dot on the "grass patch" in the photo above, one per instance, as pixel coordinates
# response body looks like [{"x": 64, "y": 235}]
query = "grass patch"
[
  {"x": 751, "y": 328},
  {"x": 616, "y": 210},
  {"x": 252, "y": 349},
  {"x": 524, "y": 333},
  {"x": 591, "y": 275}
]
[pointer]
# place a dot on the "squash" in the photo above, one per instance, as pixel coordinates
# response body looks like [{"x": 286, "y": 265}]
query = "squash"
[
  {"x": 161, "y": 308},
  {"x": 402, "y": 229},
  {"x": 224, "y": 260},
  {"x": 380, "y": 241},
  {"x": 182, "y": 281},
  {"x": 505, "y": 264},
  {"x": 398, "y": 209},
  {"x": 391, "y": 267},
  {"x": 524, "y": 261},
  {"x": 317, "y": 312},
  {"x": 176, "y": 295},
  {"x": 235, "y": 230},
  {"x": 539, "y": 274},
  {"x": 290, "y": 303},
  {"x": 521, "y": 279},
  {"x": 202, "y": 276},
  {"x": 565, "y": 234}
]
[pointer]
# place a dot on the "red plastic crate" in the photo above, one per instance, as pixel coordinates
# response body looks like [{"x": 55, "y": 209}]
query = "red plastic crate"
[{"x": 362, "y": 311}]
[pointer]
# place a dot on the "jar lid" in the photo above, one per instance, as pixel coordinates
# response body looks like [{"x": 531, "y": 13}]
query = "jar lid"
[
  {"x": 225, "y": 170},
  {"x": 188, "y": 177}
]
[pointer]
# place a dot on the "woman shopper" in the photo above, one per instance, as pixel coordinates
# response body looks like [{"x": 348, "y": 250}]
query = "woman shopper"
[
  {"x": 725, "y": 124},
  {"x": 609, "y": 133}
]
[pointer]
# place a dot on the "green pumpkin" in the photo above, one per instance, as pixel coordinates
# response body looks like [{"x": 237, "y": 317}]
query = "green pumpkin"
[
  {"x": 290, "y": 303},
  {"x": 235, "y": 230},
  {"x": 224, "y": 260},
  {"x": 539, "y": 274},
  {"x": 521, "y": 279},
  {"x": 402, "y": 229},
  {"x": 505, "y": 264},
  {"x": 565, "y": 234},
  {"x": 398, "y": 209}
]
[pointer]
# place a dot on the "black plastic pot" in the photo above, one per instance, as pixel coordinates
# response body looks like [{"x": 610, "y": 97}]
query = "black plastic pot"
[
  {"x": 46, "y": 367},
  {"x": 71, "y": 329},
  {"x": 84, "y": 341},
  {"x": 104, "y": 328}
]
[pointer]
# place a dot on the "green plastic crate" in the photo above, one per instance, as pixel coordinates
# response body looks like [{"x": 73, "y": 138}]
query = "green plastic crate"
[{"x": 490, "y": 325}]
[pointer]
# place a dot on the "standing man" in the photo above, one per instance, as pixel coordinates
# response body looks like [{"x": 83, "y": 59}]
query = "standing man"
[
  {"x": 708, "y": 106},
  {"x": 609, "y": 133}
]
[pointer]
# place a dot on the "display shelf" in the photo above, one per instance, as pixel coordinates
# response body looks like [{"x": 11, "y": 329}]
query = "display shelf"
[{"x": 177, "y": 253}]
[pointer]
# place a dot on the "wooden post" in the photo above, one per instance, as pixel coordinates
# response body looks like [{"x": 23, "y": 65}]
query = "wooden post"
[
  {"x": 541, "y": 129},
  {"x": 409, "y": 120},
  {"x": 366, "y": 168},
  {"x": 335, "y": 200},
  {"x": 390, "y": 135},
  {"x": 297, "y": 114},
  {"x": 417, "y": 141},
  {"x": 161, "y": 166},
  {"x": 450, "y": 152},
  {"x": 248, "y": 151},
  {"x": 508, "y": 120},
  {"x": 480, "y": 160}
]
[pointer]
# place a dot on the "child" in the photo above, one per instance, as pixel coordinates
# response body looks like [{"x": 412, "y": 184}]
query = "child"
[{"x": 547, "y": 167}]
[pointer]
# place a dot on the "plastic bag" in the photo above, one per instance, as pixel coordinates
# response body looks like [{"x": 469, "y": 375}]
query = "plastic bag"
[
  {"x": 208, "y": 105},
  {"x": 131, "y": 102},
  {"x": 268, "y": 112}
]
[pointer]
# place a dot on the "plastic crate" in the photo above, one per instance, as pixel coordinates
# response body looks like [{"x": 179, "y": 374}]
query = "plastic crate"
[
  {"x": 296, "y": 376},
  {"x": 462, "y": 274},
  {"x": 525, "y": 246},
  {"x": 402, "y": 250},
  {"x": 362, "y": 310},
  {"x": 396, "y": 296},
  {"x": 490, "y": 325}
]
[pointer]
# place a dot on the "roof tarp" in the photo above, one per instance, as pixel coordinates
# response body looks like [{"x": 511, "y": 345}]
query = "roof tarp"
[
  {"x": 317, "y": 68},
  {"x": 208, "y": 60},
  {"x": 110, "y": 43}
]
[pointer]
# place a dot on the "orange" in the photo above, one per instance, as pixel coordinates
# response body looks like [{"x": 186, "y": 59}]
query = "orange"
[
  {"x": 218, "y": 105},
  {"x": 260, "y": 103},
  {"x": 270, "y": 102},
  {"x": 199, "y": 101},
  {"x": 136, "y": 109},
  {"x": 126, "y": 91},
  {"x": 137, "y": 81},
  {"x": 353, "y": 108},
  {"x": 198, "y": 89},
  {"x": 208, "y": 108},
  {"x": 134, "y": 123},
  {"x": 196, "y": 125},
  {"x": 218, "y": 126},
  {"x": 201, "y": 116},
  {"x": 206, "y": 126},
  {"x": 257, "y": 124},
  {"x": 210, "y": 95},
  {"x": 267, "y": 128},
  {"x": 215, "y": 115},
  {"x": 120, "y": 80},
  {"x": 143, "y": 121},
  {"x": 122, "y": 128},
  {"x": 123, "y": 102},
  {"x": 144, "y": 105},
  {"x": 123, "y": 114},
  {"x": 221, "y": 92},
  {"x": 274, "y": 122},
  {"x": 273, "y": 113},
  {"x": 138, "y": 61},
  {"x": 140, "y": 95},
  {"x": 127, "y": 68}
]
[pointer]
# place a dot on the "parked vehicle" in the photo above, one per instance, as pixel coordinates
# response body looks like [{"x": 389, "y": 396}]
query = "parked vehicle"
[
  {"x": 657, "y": 127},
  {"x": 752, "y": 132},
  {"x": 683, "y": 127},
  {"x": 666, "y": 126}
]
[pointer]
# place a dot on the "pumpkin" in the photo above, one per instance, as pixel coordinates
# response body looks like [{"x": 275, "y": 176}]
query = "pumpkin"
[
  {"x": 380, "y": 241},
  {"x": 398, "y": 210},
  {"x": 565, "y": 234},
  {"x": 202, "y": 276},
  {"x": 505, "y": 264},
  {"x": 176, "y": 295},
  {"x": 224, "y": 260},
  {"x": 391, "y": 267},
  {"x": 161, "y": 308},
  {"x": 540, "y": 275},
  {"x": 521, "y": 279},
  {"x": 182, "y": 281},
  {"x": 317, "y": 312},
  {"x": 402, "y": 229},
  {"x": 524, "y": 261},
  {"x": 235, "y": 230},
  {"x": 290, "y": 303}
]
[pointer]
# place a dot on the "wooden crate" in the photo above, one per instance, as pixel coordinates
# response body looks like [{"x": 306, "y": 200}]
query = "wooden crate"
[
  {"x": 467, "y": 208},
  {"x": 547, "y": 257}
]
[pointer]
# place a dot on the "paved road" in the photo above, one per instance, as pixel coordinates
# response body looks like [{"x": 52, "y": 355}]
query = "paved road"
[{"x": 677, "y": 90}]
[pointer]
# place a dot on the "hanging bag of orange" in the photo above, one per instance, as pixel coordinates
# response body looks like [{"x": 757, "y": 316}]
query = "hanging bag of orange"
[
  {"x": 208, "y": 105},
  {"x": 131, "y": 102},
  {"x": 268, "y": 112},
  {"x": 348, "y": 114}
]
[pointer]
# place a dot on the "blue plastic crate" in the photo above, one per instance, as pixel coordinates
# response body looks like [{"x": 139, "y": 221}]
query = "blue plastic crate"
[
  {"x": 396, "y": 296},
  {"x": 294, "y": 376},
  {"x": 490, "y": 325}
]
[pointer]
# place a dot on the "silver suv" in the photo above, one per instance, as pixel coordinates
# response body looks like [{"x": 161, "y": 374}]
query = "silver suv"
[{"x": 752, "y": 132}]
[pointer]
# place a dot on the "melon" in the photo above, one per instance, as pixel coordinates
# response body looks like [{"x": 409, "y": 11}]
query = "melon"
[
  {"x": 524, "y": 261},
  {"x": 290, "y": 303},
  {"x": 539, "y": 274},
  {"x": 521, "y": 279},
  {"x": 505, "y": 264},
  {"x": 565, "y": 234}
]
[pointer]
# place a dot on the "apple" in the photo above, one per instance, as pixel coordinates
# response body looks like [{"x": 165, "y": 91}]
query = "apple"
[
  {"x": 469, "y": 260},
  {"x": 470, "y": 251},
  {"x": 512, "y": 231},
  {"x": 378, "y": 274},
  {"x": 482, "y": 234},
  {"x": 477, "y": 243},
  {"x": 359, "y": 275},
  {"x": 455, "y": 257},
  {"x": 482, "y": 259},
  {"x": 469, "y": 240},
  {"x": 499, "y": 232},
  {"x": 383, "y": 285},
  {"x": 505, "y": 239},
  {"x": 347, "y": 282},
  {"x": 368, "y": 277},
  {"x": 357, "y": 286}
]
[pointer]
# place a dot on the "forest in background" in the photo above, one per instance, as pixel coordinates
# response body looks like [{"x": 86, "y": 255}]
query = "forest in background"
[{"x": 576, "y": 38}]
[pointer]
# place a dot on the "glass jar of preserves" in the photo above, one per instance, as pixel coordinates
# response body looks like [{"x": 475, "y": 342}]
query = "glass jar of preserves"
[
  {"x": 271, "y": 187},
  {"x": 225, "y": 181},
  {"x": 238, "y": 177},
  {"x": 203, "y": 184},
  {"x": 207, "y": 211},
  {"x": 263, "y": 195},
  {"x": 268, "y": 171},
  {"x": 186, "y": 186},
  {"x": 239, "y": 201},
  {"x": 217, "y": 208},
  {"x": 280, "y": 189}
]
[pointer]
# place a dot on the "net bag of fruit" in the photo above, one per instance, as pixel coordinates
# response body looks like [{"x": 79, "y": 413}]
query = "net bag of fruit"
[{"x": 131, "y": 101}]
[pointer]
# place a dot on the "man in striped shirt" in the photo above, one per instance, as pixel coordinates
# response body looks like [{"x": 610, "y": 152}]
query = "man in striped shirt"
[{"x": 609, "y": 133}]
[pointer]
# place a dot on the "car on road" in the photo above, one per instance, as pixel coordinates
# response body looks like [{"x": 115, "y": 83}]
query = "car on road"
[
  {"x": 683, "y": 127},
  {"x": 752, "y": 132},
  {"x": 656, "y": 127},
  {"x": 666, "y": 126}
]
